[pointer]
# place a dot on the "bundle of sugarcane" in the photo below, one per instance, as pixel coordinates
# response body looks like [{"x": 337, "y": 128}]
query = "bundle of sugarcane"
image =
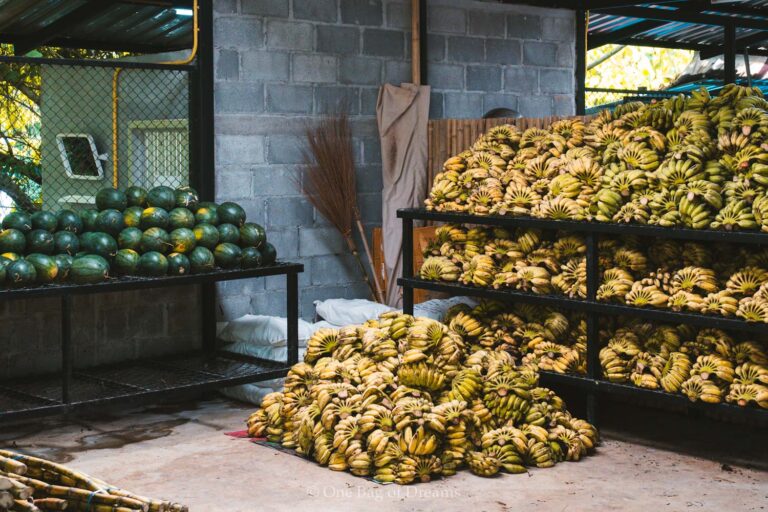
[{"x": 29, "y": 484}]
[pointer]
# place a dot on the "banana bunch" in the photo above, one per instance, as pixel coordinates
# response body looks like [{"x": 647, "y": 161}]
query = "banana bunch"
[{"x": 406, "y": 399}]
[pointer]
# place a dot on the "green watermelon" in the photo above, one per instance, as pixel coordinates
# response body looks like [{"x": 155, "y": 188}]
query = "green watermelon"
[
  {"x": 100, "y": 244},
  {"x": 201, "y": 260},
  {"x": 4, "y": 262},
  {"x": 227, "y": 255},
  {"x": 18, "y": 220},
  {"x": 154, "y": 217},
  {"x": 45, "y": 267},
  {"x": 20, "y": 273},
  {"x": 186, "y": 197},
  {"x": 181, "y": 218},
  {"x": 183, "y": 240},
  {"x": 207, "y": 215},
  {"x": 13, "y": 240},
  {"x": 110, "y": 221},
  {"x": 110, "y": 198},
  {"x": 136, "y": 196},
  {"x": 231, "y": 213},
  {"x": 126, "y": 262},
  {"x": 268, "y": 254},
  {"x": 39, "y": 240},
  {"x": 130, "y": 238},
  {"x": 251, "y": 258},
  {"x": 206, "y": 235},
  {"x": 89, "y": 269},
  {"x": 132, "y": 216},
  {"x": 65, "y": 242},
  {"x": 178, "y": 264},
  {"x": 70, "y": 221},
  {"x": 156, "y": 240},
  {"x": 162, "y": 197},
  {"x": 228, "y": 233},
  {"x": 11, "y": 256},
  {"x": 89, "y": 219},
  {"x": 252, "y": 235},
  {"x": 64, "y": 264},
  {"x": 153, "y": 264},
  {"x": 44, "y": 220}
]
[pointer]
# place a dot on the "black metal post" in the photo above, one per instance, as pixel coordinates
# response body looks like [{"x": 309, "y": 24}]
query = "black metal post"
[
  {"x": 66, "y": 348},
  {"x": 292, "y": 286},
  {"x": 729, "y": 54},
  {"x": 407, "y": 265},
  {"x": 581, "y": 59},
  {"x": 593, "y": 324}
]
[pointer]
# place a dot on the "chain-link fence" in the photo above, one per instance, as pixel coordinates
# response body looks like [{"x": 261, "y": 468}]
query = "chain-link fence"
[{"x": 68, "y": 129}]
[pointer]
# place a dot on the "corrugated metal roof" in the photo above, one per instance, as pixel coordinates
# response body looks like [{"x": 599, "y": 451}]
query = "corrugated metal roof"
[{"x": 146, "y": 26}]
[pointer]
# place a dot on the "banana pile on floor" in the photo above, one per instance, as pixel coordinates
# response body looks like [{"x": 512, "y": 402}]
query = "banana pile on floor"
[
  {"x": 30, "y": 484},
  {"x": 696, "y": 162},
  {"x": 718, "y": 279},
  {"x": 404, "y": 399}
]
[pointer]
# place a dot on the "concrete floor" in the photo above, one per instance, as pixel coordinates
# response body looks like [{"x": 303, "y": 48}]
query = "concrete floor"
[{"x": 181, "y": 453}]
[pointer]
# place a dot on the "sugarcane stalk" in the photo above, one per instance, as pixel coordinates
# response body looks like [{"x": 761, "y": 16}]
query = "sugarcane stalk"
[
  {"x": 24, "y": 506},
  {"x": 6, "y": 499},
  {"x": 5, "y": 483},
  {"x": 12, "y": 466},
  {"x": 51, "y": 504}
]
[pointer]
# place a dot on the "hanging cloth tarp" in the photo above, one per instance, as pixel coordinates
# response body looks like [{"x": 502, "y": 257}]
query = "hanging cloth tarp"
[{"x": 402, "y": 113}]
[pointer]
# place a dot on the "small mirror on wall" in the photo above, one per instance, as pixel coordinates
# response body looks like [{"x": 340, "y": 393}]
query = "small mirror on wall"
[{"x": 80, "y": 157}]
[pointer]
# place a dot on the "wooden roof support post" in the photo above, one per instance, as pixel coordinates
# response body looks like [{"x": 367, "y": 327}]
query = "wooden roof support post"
[
  {"x": 418, "y": 41},
  {"x": 582, "y": 29}
]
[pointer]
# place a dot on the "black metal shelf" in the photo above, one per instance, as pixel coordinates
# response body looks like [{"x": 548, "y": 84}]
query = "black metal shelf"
[
  {"x": 591, "y": 383},
  {"x": 146, "y": 379}
]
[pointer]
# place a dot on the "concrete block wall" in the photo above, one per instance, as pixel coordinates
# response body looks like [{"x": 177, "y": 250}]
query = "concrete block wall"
[{"x": 282, "y": 63}]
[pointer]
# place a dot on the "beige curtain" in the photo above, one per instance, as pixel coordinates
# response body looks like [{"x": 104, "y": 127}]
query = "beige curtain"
[{"x": 402, "y": 113}]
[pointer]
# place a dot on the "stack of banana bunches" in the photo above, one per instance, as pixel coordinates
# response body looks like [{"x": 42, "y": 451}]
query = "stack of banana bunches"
[
  {"x": 695, "y": 162},
  {"x": 403, "y": 399},
  {"x": 29, "y": 484}
]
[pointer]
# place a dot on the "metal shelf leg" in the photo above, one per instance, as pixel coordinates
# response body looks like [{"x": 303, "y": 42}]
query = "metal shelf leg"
[
  {"x": 292, "y": 282},
  {"x": 407, "y": 265},
  {"x": 593, "y": 329},
  {"x": 66, "y": 348}
]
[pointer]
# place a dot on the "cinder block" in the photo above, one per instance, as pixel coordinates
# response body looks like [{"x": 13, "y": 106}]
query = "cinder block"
[
  {"x": 289, "y": 99},
  {"x": 435, "y": 105},
  {"x": 360, "y": 70},
  {"x": 286, "y": 242},
  {"x": 240, "y": 287},
  {"x": 276, "y": 8},
  {"x": 397, "y": 72},
  {"x": 564, "y": 105},
  {"x": 372, "y": 150},
  {"x": 289, "y": 35},
  {"x": 278, "y": 282},
  {"x": 523, "y": 26},
  {"x": 289, "y": 212},
  {"x": 566, "y": 54},
  {"x": 499, "y": 100},
  {"x": 284, "y": 149},
  {"x": 225, "y": 6},
  {"x": 490, "y": 24},
  {"x": 503, "y": 51},
  {"x": 370, "y": 207},
  {"x": 369, "y": 179},
  {"x": 435, "y": 48},
  {"x": 239, "y": 149},
  {"x": 463, "y": 105},
  {"x": 559, "y": 81},
  {"x": 558, "y": 29},
  {"x": 274, "y": 180},
  {"x": 270, "y": 303},
  {"x": 483, "y": 78},
  {"x": 334, "y": 269},
  {"x": 466, "y": 49},
  {"x": 233, "y": 184},
  {"x": 447, "y": 19},
  {"x": 369, "y": 97},
  {"x": 399, "y": 15},
  {"x": 383, "y": 43},
  {"x": 331, "y": 99},
  {"x": 314, "y": 68},
  {"x": 239, "y": 97},
  {"x": 320, "y": 242},
  {"x": 227, "y": 65},
  {"x": 230, "y": 308},
  {"x": 362, "y": 12},
  {"x": 338, "y": 40},
  {"x": 238, "y": 32},
  {"x": 535, "y": 106},
  {"x": 264, "y": 65},
  {"x": 316, "y": 10},
  {"x": 255, "y": 209},
  {"x": 539, "y": 54},
  {"x": 521, "y": 79},
  {"x": 446, "y": 76}
]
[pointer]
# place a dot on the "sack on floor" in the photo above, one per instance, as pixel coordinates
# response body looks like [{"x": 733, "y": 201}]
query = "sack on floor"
[
  {"x": 253, "y": 393},
  {"x": 264, "y": 331},
  {"x": 341, "y": 312},
  {"x": 437, "y": 308},
  {"x": 262, "y": 352}
]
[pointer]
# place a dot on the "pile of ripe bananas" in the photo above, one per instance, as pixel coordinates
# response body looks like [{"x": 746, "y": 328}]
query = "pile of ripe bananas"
[
  {"x": 696, "y": 162},
  {"x": 707, "y": 365},
  {"x": 718, "y": 280},
  {"x": 403, "y": 399}
]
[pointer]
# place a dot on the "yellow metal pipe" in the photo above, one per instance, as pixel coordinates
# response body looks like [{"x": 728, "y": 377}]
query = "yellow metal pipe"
[{"x": 116, "y": 97}]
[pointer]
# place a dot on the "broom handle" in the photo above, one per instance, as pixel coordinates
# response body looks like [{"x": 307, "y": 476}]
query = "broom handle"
[{"x": 379, "y": 293}]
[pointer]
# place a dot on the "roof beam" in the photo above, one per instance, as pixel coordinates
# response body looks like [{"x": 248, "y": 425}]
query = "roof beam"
[
  {"x": 622, "y": 34},
  {"x": 689, "y": 16},
  {"x": 86, "y": 12},
  {"x": 594, "y": 5},
  {"x": 741, "y": 44}
]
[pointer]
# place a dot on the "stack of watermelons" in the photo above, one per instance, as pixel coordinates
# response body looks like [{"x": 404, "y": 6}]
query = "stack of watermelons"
[{"x": 133, "y": 232}]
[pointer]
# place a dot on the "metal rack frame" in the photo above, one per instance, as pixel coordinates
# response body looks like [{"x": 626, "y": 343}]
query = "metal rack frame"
[
  {"x": 147, "y": 379},
  {"x": 592, "y": 381}
]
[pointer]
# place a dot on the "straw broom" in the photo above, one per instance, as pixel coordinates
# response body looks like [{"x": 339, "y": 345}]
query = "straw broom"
[{"x": 328, "y": 181}]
